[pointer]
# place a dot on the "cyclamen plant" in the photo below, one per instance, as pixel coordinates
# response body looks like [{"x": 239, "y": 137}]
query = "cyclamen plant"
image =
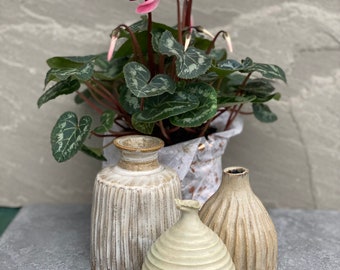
[{"x": 168, "y": 82}]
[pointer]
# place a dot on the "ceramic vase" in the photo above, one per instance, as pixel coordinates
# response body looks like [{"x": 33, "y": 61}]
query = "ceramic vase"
[
  {"x": 189, "y": 244},
  {"x": 236, "y": 214},
  {"x": 132, "y": 205},
  {"x": 198, "y": 162}
]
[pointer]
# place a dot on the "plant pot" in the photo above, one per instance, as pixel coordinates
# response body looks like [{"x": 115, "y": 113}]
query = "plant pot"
[
  {"x": 236, "y": 214},
  {"x": 189, "y": 244},
  {"x": 198, "y": 162},
  {"x": 132, "y": 205}
]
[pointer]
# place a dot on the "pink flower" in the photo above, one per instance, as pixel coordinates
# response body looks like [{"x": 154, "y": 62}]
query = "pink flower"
[
  {"x": 114, "y": 38},
  {"x": 147, "y": 6}
]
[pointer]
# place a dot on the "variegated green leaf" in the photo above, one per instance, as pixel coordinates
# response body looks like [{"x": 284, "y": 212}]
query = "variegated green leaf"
[
  {"x": 207, "y": 106},
  {"x": 275, "y": 96},
  {"x": 96, "y": 153},
  {"x": 165, "y": 106},
  {"x": 106, "y": 119},
  {"x": 69, "y": 61},
  {"x": 263, "y": 113},
  {"x": 68, "y": 135},
  {"x": 269, "y": 71},
  {"x": 190, "y": 63},
  {"x": 260, "y": 87},
  {"x": 168, "y": 45},
  {"x": 234, "y": 100},
  {"x": 82, "y": 73},
  {"x": 230, "y": 64},
  {"x": 129, "y": 101},
  {"x": 145, "y": 128},
  {"x": 64, "y": 87},
  {"x": 137, "y": 78},
  {"x": 109, "y": 70}
]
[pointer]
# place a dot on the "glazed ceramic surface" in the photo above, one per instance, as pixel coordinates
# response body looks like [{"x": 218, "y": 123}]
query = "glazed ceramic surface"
[
  {"x": 132, "y": 205},
  {"x": 236, "y": 214},
  {"x": 198, "y": 162},
  {"x": 189, "y": 244}
]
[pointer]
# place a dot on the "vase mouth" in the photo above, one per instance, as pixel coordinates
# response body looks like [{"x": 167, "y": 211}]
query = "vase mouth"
[
  {"x": 236, "y": 170},
  {"x": 138, "y": 143},
  {"x": 187, "y": 204}
]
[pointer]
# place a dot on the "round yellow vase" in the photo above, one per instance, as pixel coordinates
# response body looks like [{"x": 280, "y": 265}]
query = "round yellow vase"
[{"x": 189, "y": 244}]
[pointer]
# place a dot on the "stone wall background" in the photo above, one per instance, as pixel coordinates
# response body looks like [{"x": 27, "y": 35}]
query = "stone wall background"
[{"x": 294, "y": 162}]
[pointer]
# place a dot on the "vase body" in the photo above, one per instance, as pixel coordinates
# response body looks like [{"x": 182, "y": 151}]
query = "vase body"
[
  {"x": 236, "y": 214},
  {"x": 132, "y": 205},
  {"x": 198, "y": 162},
  {"x": 189, "y": 244}
]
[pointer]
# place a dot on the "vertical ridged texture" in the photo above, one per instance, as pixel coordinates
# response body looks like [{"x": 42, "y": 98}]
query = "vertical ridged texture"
[
  {"x": 130, "y": 210},
  {"x": 189, "y": 244},
  {"x": 236, "y": 214}
]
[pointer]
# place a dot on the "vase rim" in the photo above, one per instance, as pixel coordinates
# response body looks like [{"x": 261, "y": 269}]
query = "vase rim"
[
  {"x": 138, "y": 143},
  {"x": 236, "y": 170},
  {"x": 187, "y": 204}
]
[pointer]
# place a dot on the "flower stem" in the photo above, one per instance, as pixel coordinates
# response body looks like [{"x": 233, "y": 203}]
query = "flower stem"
[
  {"x": 164, "y": 133},
  {"x": 179, "y": 23},
  {"x": 150, "y": 51},
  {"x": 212, "y": 43},
  {"x": 136, "y": 48},
  {"x": 236, "y": 108},
  {"x": 89, "y": 102}
]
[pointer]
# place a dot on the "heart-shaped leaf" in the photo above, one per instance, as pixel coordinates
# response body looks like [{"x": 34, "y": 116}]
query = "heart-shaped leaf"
[
  {"x": 106, "y": 119},
  {"x": 68, "y": 135},
  {"x": 259, "y": 87},
  {"x": 190, "y": 63},
  {"x": 130, "y": 102},
  {"x": 109, "y": 70},
  {"x": 267, "y": 70},
  {"x": 82, "y": 73},
  {"x": 206, "y": 109},
  {"x": 193, "y": 64},
  {"x": 263, "y": 113},
  {"x": 145, "y": 128},
  {"x": 137, "y": 78},
  {"x": 96, "y": 153},
  {"x": 69, "y": 61},
  {"x": 64, "y": 87},
  {"x": 165, "y": 106}
]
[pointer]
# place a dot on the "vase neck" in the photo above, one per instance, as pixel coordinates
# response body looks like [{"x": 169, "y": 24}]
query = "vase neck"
[
  {"x": 138, "y": 152},
  {"x": 138, "y": 161},
  {"x": 235, "y": 179},
  {"x": 189, "y": 211}
]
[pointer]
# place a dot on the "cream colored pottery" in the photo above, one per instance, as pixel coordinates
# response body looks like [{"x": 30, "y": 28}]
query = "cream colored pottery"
[
  {"x": 189, "y": 244},
  {"x": 236, "y": 214},
  {"x": 198, "y": 162},
  {"x": 132, "y": 205}
]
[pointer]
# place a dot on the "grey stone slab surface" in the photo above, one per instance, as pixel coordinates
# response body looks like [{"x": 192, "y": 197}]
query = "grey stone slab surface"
[
  {"x": 46, "y": 237},
  {"x": 49, "y": 237}
]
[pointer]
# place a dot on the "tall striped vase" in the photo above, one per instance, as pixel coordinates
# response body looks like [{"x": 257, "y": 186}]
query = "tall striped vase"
[
  {"x": 132, "y": 205},
  {"x": 236, "y": 214}
]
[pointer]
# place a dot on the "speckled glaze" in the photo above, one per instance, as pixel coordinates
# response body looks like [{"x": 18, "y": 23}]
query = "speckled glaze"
[
  {"x": 132, "y": 205},
  {"x": 189, "y": 244},
  {"x": 236, "y": 214}
]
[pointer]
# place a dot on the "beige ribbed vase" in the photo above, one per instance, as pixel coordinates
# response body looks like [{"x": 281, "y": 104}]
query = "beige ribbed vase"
[
  {"x": 132, "y": 205},
  {"x": 189, "y": 244},
  {"x": 236, "y": 214}
]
